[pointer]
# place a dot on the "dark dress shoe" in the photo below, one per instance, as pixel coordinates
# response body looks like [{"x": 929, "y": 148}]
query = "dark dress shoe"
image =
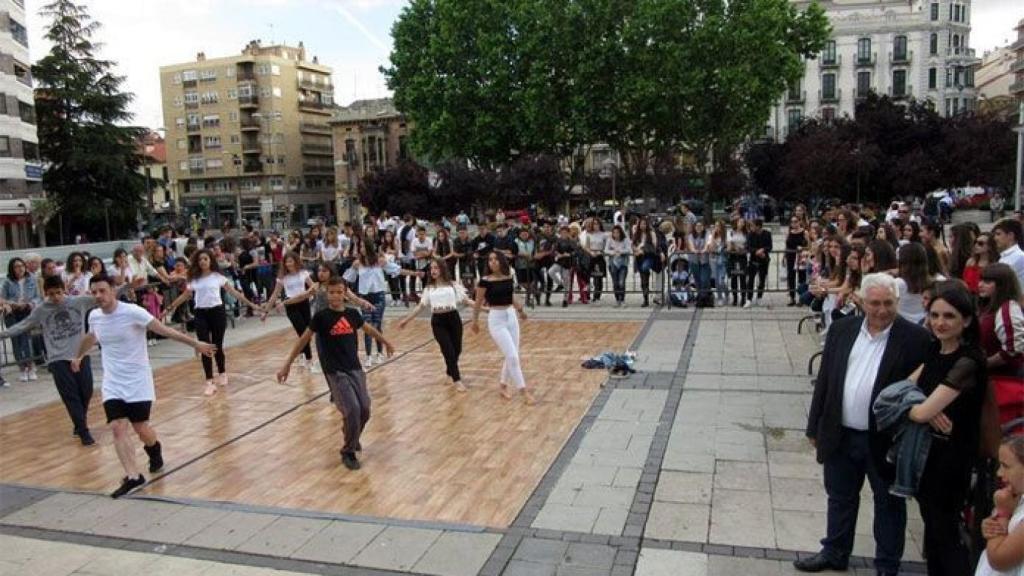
[{"x": 819, "y": 563}]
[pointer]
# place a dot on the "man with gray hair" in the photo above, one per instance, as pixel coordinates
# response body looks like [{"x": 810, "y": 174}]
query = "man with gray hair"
[{"x": 862, "y": 356}]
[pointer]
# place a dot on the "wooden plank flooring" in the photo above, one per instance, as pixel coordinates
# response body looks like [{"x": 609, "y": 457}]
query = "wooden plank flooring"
[{"x": 429, "y": 453}]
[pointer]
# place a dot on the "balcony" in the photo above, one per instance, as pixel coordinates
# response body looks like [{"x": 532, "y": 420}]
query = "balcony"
[
  {"x": 248, "y": 124},
  {"x": 834, "y": 62},
  {"x": 317, "y": 169},
  {"x": 252, "y": 148},
  {"x": 907, "y": 92},
  {"x": 195, "y": 171},
  {"x": 1017, "y": 87},
  {"x": 1017, "y": 66},
  {"x": 901, "y": 57},
  {"x": 319, "y": 87},
  {"x": 248, "y": 101},
  {"x": 830, "y": 97},
  {"x": 319, "y": 149},
  {"x": 191, "y": 105},
  {"x": 314, "y": 106},
  {"x": 961, "y": 51},
  {"x": 189, "y": 84},
  {"x": 252, "y": 168},
  {"x": 796, "y": 96},
  {"x": 863, "y": 60},
  {"x": 314, "y": 128}
]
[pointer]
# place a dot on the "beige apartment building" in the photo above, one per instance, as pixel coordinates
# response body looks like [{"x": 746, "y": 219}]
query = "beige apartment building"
[
  {"x": 368, "y": 135},
  {"x": 250, "y": 134}
]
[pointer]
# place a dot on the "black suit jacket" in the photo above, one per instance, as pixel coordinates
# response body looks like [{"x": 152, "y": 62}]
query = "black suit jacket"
[{"x": 906, "y": 349}]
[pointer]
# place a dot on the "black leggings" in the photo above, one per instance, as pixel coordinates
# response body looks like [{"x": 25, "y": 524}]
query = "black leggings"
[
  {"x": 447, "y": 327},
  {"x": 794, "y": 276},
  {"x": 211, "y": 323},
  {"x": 299, "y": 316},
  {"x": 738, "y": 276}
]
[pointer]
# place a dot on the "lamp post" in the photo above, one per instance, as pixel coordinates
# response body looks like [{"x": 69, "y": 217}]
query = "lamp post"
[
  {"x": 610, "y": 165},
  {"x": 106, "y": 215},
  {"x": 237, "y": 161}
]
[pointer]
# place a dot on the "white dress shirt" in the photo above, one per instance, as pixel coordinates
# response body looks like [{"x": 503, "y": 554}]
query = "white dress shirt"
[
  {"x": 861, "y": 371},
  {"x": 1014, "y": 258}
]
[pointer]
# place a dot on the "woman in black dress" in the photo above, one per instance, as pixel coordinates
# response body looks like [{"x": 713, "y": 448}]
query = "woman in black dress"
[{"x": 954, "y": 378}]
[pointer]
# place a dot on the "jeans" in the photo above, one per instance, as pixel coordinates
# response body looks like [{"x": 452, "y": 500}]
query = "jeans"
[
  {"x": 374, "y": 318},
  {"x": 22, "y": 343},
  {"x": 738, "y": 276},
  {"x": 702, "y": 273},
  {"x": 845, "y": 471},
  {"x": 352, "y": 398},
  {"x": 718, "y": 273},
  {"x": 618, "y": 274}
]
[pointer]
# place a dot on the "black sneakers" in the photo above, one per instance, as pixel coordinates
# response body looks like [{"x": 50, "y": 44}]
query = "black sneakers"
[
  {"x": 86, "y": 438},
  {"x": 156, "y": 457},
  {"x": 127, "y": 485},
  {"x": 350, "y": 461}
]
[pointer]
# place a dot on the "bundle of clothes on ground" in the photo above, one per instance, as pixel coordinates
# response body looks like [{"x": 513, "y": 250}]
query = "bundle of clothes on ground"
[{"x": 616, "y": 364}]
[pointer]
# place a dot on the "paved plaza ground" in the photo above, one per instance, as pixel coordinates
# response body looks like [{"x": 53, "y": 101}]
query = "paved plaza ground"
[{"x": 696, "y": 465}]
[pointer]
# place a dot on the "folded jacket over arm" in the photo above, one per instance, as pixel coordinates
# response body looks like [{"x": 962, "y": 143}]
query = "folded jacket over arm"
[{"x": 911, "y": 441}]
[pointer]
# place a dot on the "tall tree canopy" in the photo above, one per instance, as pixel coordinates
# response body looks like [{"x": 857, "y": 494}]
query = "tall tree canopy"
[
  {"x": 81, "y": 113},
  {"x": 491, "y": 80}
]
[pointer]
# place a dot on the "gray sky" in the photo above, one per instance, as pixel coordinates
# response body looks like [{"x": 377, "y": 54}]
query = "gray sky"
[{"x": 993, "y": 21}]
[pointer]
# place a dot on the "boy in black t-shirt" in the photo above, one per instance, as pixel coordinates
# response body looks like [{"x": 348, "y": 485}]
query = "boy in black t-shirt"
[{"x": 335, "y": 328}]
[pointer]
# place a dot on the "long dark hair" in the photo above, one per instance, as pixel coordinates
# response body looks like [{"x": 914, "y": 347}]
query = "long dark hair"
[
  {"x": 369, "y": 256},
  {"x": 502, "y": 264},
  {"x": 443, "y": 273},
  {"x": 282, "y": 271},
  {"x": 71, "y": 260},
  {"x": 193, "y": 268},
  {"x": 914, "y": 266},
  {"x": 956, "y": 295},
  {"x": 10, "y": 268},
  {"x": 884, "y": 255},
  {"x": 1007, "y": 286},
  {"x": 961, "y": 239}
]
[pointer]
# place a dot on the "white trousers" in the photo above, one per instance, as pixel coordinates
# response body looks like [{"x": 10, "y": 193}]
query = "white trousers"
[{"x": 504, "y": 328}]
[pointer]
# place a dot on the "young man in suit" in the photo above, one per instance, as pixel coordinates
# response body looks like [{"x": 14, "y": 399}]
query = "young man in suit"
[{"x": 862, "y": 356}]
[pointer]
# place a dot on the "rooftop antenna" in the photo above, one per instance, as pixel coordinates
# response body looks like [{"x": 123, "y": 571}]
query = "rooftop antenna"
[{"x": 271, "y": 25}]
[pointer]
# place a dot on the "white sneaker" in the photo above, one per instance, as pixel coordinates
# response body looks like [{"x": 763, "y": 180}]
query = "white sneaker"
[
  {"x": 32, "y": 374},
  {"x": 23, "y": 377},
  {"x": 302, "y": 362},
  {"x": 314, "y": 368},
  {"x": 378, "y": 358},
  {"x": 4, "y": 383},
  {"x": 749, "y": 304},
  {"x": 369, "y": 361}
]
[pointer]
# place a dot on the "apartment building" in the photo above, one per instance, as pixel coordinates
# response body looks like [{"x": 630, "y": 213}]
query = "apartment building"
[
  {"x": 900, "y": 48},
  {"x": 368, "y": 135},
  {"x": 249, "y": 135},
  {"x": 20, "y": 170}
]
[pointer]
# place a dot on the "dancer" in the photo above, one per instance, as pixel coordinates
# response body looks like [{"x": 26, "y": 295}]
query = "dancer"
[
  {"x": 497, "y": 290},
  {"x": 205, "y": 282},
  {"x": 368, "y": 273},
  {"x": 295, "y": 281},
  {"x": 335, "y": 328},
  {"x": 443, "y": 296},
  {"x": 317, "y": 293},
  {"x": 128, "y": 393}
]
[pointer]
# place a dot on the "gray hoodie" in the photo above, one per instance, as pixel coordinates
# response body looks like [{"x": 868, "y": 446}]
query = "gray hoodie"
[{"x": 63, "y": 326}]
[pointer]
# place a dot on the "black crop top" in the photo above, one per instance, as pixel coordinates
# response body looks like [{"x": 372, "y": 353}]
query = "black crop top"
[{"x": 497, "y": 292}]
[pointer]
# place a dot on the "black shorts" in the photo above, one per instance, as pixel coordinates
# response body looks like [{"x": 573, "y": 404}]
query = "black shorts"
[{"x": 135, "y": 412}]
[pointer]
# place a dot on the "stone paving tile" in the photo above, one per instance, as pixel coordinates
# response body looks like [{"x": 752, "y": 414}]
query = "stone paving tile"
[
  {"x": 92, "y": 513},
  {"x": 457, "y": 554},
  {"x": 50, "y": 512},
  {"x": 283, "y": 536},
  {"x": 567, "y": 517},
  {"x": 797, "y": 494},
  {"x": 182, "y": 525},
  {"x": 684, "y": 488},
  {"x": 794, "y": 465},
  {"x": 135, "y": 518},
  {"x": 521, "y": 568},
  {"x": 13, "y": 498},
  {"x": 674, "y": 521},
  {"x": 655, "y": 562},
  {"x": 230, "y": 531},
  {"x": 397, "y": 548},
  {"x": 741, "y": 518},
  {"x": 338, "y": 542},
  {"x": 752, "y": 476}
]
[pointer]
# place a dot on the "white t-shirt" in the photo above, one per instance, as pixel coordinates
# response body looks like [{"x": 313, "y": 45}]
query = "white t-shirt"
[
  {"x": 416, "y": 245},
  {"x": 330, "y": 253},
  {"x": 122, "y": 334},
  {"x": 206, "y": 290},
  {"x": 294, "y": 284},
  {"x": 911, "y": 306}
]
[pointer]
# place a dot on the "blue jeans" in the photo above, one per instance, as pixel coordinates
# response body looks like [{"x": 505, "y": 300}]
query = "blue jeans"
[
  {"x": 844, "y": 476},
  {"x": 718, "y": 273},
  {"x": 22, "y": 344},
  {"x": 702, "y": 273},
  {"x": 619, "y": 280},
  {"x": 374, "y": 318}
]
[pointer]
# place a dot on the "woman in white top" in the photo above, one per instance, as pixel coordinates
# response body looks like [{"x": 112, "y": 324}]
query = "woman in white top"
[
  {"x": 205, "y": 282},
  {"x": 618, "y": 249},
  {"x": 295, "y": 280},
  {"x": 912, "y": 281},
  {"x": 736, "y": 247},
  {"x": 330, "y": 252},
  {"x": 75, "y": 276},
  {"x": 443, "y": 296},
  {"x": 368, "y": 274},
  {"x": 1004, "y": 530}
]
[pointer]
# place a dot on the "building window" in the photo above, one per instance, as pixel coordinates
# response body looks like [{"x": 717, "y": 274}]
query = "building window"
[
  {"x": 828, "y": 115},
  {"x": 235, "y": 138},
  {"x": 18, "y": 32},
  {"x": 3, "y": 103},
  {"x": 277, "y": 183},
  {"x": 183, "y": 166},
  {"x": 229, "y": 71},
  {"x": 232, "y": 93},
  {"x": 265, "y": 92},
  {"x": 935, "y": 11},
  {"x": 933, "y": 44},
  {"x": 233, "y": 116},
  {"x": 214, "y": 163},
  {"x": 176, "y": 79},
  {"x": 189, "y": 75},
  {"x": 211, "y": 121},
  {"x": 899, "y": 48},
  {"x": 182, "y": 143},
  {"x": 933, "y": 78},
  {"x": 23, "y": 74},
  {"x": 828, "y": 55},
  {"x": 969, "y": 76},
  {"x": 275, "y": 69},
  {"x": 30, "y": 150},
  {"x": 793, "y": 119},
  {"x": 195, "y": 163},
  {"x": 210, "y": 97},
  {"x": 949, "y": 77},
  {"x": 899, "y": 82},
  {"x": 212, "y": 142},
  {"x": 177, "y": 101},
  {"x": 5, "y": 146},
  {"x": 403, "y": 147},
  {"x": 828, "y": 86},
  {"x": 277, "y": 92},
  {"x": 208, "y": 75},
  {"x": 864, "y": 50},
  {"x": 27, "y": 112},
  {"x": 191, "y": 97},
  {"x": 863, "y": 84}
]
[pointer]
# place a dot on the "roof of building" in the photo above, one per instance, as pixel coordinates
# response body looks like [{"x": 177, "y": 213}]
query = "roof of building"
[
  {"x": 153, "y": 146},
  {"x": 366, "y": 110}
]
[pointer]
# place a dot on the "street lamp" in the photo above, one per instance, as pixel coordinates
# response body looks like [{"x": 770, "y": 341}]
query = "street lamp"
[
  {"x": 237, "y": 161},
  {"x": 607, "y": 166}
]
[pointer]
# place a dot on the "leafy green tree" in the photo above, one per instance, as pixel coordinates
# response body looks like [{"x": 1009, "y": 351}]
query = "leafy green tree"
[{"x": 81, "y": 112}]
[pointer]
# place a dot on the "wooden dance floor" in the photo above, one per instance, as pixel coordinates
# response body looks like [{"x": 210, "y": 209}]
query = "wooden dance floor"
[{"x": 429, "y": 453}]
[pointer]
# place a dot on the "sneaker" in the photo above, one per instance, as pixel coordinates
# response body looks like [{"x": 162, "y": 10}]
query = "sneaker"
[
  {"x": 369, "y": 361},
  {"x": 565, "y": 304},
  {"x": 748, "y": 304},
  {"x": 127, "y": 485},
  {"x": 314, "y": 368},
  {"x": 222, "y": 379},
  {"x": 378, "y": 358},
  {"x": 4, "y": 383},
  {"x": 210, "y": 389},
  {"x": 23, "y": 377},
  {"x": 32, "y": 374},
  {"x": 302, "y": 362},
  {"x": 350, "y": 461},
  {"x": 156, "y": 457},
  {"x": 86, "y": 438}
]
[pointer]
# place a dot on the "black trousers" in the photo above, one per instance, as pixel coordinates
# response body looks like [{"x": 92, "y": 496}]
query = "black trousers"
[
  {"x": 299, "y": 315},
  {"x": 75, "y": 390},
  {"x": 941, "y": 496},
  {"x": 447, "y": 327},
  {"x": 757, "y": 268},
  {"x": 211, "y": 323},
  {"x": 794, "y": 276},
  {"x": 845, "y": 471},
  {"x": 738, "y": 277}
]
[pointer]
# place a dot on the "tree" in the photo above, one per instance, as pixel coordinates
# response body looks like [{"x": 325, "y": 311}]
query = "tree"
[
  {"x": 401, "y": 189},
  {"x": 81, "y": 111}
]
